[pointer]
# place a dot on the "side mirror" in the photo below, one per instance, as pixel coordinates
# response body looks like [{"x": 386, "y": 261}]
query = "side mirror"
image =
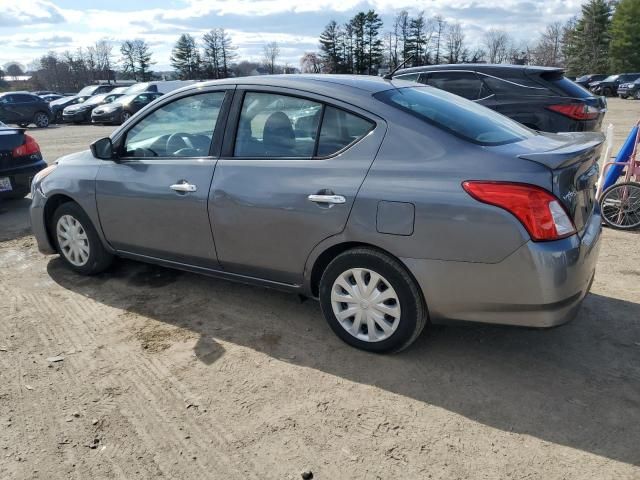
[{"x": 103, "y": 149}]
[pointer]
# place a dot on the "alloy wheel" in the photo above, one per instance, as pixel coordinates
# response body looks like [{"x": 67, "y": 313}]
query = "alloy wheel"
[
  {"x": 73, "y": 240},
  {"x": 365, "y": 304},
  {"x": 41, "y": 120}
]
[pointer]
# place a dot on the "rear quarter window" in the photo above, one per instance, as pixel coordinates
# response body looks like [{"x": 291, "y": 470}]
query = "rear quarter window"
[{"x": 456, "y": 115}]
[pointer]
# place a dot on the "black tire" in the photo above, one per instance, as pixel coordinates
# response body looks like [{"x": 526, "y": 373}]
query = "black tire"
[
  {"x": 413, "y": 317},
  {"x": 624, "y": 97},
  {"x": 99, "y": 258},
  {"x": 610, "y": 204},
  {"x": 637, "y": 94},
  {"x": 23, "y": 125},
  {"x": 41, "y": 120},
  {"x": 607, "y": 92},
  {"x": 125, "y": 116}
]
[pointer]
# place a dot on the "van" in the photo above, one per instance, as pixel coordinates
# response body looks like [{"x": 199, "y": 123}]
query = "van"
[{"x": 160, "y": 87}]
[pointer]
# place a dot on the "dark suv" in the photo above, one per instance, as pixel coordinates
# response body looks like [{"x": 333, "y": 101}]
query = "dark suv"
[
  {"x": 24, "y": 108},
  {"x": 630, "y": 89},
  {"x": 541, "y": 98},
  {"x": 585, "y": 80},
  {"x": 609, "y": 86}
]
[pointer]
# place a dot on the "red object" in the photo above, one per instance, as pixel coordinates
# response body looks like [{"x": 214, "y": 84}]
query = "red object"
[
  {"x": 29, "y": 147},
  {"x": 538, "y": 210},
  {"x": 576, "y": 111}
]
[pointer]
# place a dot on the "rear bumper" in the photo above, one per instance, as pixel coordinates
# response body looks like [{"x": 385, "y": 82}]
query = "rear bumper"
[
  {"x": 38, "y": 225},
  {"x": 540, "y": 285},
  {"x": 21, "y": 177}
]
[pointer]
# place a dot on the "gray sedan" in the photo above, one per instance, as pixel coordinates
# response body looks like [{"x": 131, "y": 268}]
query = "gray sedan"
[{"x": 392, "y": 203}]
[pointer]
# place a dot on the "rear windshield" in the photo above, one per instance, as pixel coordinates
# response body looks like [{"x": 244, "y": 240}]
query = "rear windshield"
[
  {"x": 570, "y": 88},
  {"x": 456, "y": 115}
]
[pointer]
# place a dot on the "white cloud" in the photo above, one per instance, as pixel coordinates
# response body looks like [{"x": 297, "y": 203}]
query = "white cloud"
[{"x": 29, "y": 12}]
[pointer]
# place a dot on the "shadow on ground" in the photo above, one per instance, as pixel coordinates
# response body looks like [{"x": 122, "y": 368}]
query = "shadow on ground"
[
  {"x": 14, "y": 219},
  {"x": 577, "y": 385}
]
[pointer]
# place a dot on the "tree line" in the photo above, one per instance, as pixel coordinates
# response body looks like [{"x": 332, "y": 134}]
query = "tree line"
[{"x": 603, "y": 38}]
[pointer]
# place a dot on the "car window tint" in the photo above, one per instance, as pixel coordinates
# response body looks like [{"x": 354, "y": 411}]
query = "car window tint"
[
  {"x": 22, "y": 98},
  {"x": 465, "y": 84},
  {"x": 515, "y": 86},
  {"x": 456, "y": 115},
  {"x": 182, "y": 128},
  {"x": 339, "y": 130},
  {"x": 274, "y": 125}
]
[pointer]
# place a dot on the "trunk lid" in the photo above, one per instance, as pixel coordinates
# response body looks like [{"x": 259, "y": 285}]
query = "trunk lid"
[{"x": 573, "y": 161}]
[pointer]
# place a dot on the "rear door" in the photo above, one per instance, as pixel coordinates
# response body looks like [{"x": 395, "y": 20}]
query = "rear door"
[
  {"x": 291, "y": 171},
  {"x": 153, "y": 201}
]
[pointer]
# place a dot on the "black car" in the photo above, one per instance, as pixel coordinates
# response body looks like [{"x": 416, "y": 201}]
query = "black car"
[
  {"x": 98, "y": 89},
  {"x": 23, "y": 109},
  {"x": 20, "y": 160},
  {"x": 585, "y": 80},
  {"x": 631, "y": 89},
  {"x": 121, "y": 110},
  {"x": 58, "y": 106},
  {"x": 541, "y": 98},
  {"x": 81, "y": 112},
  {"x": 51, "y": 97},
  {"x": 609, "y": 86}
]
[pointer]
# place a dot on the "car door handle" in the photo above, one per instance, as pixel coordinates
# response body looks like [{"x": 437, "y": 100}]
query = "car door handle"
[
  {"x": 183, "y": 187},
  {"x": 327, "y": 198}
]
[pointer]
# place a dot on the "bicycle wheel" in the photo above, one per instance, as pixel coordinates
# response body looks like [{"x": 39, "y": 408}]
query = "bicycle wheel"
[{"x": 620, "y": 205}]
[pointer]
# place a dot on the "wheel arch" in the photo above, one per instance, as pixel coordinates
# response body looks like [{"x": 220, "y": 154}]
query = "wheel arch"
[{"x": 50, "y": 207}]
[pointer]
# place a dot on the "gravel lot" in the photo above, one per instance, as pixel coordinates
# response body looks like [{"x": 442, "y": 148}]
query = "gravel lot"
[{"x": 172, "y": 375}]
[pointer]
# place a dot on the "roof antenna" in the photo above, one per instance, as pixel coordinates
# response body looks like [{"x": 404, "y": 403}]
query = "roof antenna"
[{"x": 389, "y": 76}]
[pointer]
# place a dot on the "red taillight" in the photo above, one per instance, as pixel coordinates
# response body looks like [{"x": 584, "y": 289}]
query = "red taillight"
[
  {"x": 577, "y": 111},
  {"x": 29, "y": 147},
  {"x": 537, "y": 209}
]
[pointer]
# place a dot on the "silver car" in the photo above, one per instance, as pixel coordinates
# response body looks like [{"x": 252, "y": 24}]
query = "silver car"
[{"x": 394, "y": 204}]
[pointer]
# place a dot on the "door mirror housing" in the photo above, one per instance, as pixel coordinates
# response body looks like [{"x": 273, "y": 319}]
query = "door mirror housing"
[{"x": 103, "y": 149}]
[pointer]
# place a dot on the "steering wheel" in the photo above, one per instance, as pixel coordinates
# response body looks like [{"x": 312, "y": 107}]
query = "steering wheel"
[{"x": 177, "y": 141}]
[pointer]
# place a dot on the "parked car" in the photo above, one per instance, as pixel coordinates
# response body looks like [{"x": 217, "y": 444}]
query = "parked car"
[
  {"x": 609, "y": 86},
  {"x": 123, "y": 109},
  {"x": 539, "y": 97},
  {"x": 58, "y": 106},
  {"x": 585, "y": 80},
  {"x": 159, "y": 86},
  {"x": 81, "y": 112},
  {"x": 23, "y": 109},
  {"x": 98, "y": 89},
  {"x": 393, "y": 203},
  {"x": 20, "y": 160},
  {"x": 51, "y": 97},
  {"x": 630, "y": 89},
  {"x": 40, "y": 93}
]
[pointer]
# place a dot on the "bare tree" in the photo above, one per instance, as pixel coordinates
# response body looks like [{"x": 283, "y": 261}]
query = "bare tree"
[
  {"x": 498, "y": 45},
  {"x": 311, "y": 63},
  {"x": 440, "y": 26},
  {"x": 128, "y": 59},
  {"x": 455, "y": 43},
  {"x": 548, "y": 51},
  {"x": 104, "y": 59},
  {"x": 271, "y": 53}
]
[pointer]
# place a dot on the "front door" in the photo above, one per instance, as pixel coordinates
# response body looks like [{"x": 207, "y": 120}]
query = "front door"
[
  {"x": 153, "y": 200},
  {"x": 288, "y": 180}
]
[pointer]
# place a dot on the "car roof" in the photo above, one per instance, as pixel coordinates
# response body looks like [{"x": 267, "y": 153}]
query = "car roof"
[
  {"x": 495, "y": 69},
  {"x": 340, "y": 87}
]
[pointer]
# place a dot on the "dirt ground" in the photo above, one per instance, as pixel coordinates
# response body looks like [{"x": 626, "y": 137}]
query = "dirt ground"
[{"x": 163, "y": 374}]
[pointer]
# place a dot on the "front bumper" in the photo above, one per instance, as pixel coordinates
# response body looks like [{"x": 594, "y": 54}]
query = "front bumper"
[
  {"x": 539, "y": 285},
  {"x": 76, "y": 117},
  {"x": 20, "y": 178},
  {"x": 106, "y": 117},
  {"x": 38, "y": 224}
]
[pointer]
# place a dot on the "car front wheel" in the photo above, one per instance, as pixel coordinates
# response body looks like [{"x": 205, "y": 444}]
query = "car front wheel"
[
  {"x": 41, "y": 120},
  {"x": 371, "y": 302},
  {"x": 77, "y": 241},
  {"x": 125, "y": 116}
]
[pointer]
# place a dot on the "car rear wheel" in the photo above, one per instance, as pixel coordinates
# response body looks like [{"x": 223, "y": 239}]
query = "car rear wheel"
[
  {"x": 371, "y": 302},
  {"x": 125, "y": 116},
  {"x": 77, "y": 241},
  {"x": 620, "y": 205},
  {"x": 41, "y": 120},
  {"x": 23, "y": 125},
  {"x": 637, "y": 95}
]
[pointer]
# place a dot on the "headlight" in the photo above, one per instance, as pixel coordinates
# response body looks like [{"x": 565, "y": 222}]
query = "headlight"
[{"x": 40, "y": 176}]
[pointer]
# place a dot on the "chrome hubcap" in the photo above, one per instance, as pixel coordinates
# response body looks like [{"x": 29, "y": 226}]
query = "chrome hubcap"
[
  {"x": 365, "y": 304},
  {"x": 73, "y": 240}
]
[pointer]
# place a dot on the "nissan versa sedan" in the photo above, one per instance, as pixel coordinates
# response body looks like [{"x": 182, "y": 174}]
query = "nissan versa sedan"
[{"x": 394, "y": 204}]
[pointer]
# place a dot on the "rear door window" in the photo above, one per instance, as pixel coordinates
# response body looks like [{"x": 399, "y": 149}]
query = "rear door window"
[
  {"x": 455, "y": 115},
  {"x": 339, "y": 130},
  {"x": 464, "y": 84}
]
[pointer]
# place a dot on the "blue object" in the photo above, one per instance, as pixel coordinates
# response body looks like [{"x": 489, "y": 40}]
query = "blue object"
[{"x": 625, "y": 152}]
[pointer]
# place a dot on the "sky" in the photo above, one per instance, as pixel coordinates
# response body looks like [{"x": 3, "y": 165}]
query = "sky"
[{"x": 30, "y": 28}]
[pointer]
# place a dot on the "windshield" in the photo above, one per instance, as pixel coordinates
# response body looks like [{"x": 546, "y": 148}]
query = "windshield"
[
  {"x": 456, "y": 115},
  {"x": 138, "y": 87},
  {"x": 87, "y": 90},
  {"x": 96, "y": 99},
  {"x": 611, "y": 78},
  {"x": 126, "y": 98}
]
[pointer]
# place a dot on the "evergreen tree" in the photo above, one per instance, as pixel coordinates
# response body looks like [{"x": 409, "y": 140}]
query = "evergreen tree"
[
  {"x": 416, "y": 42},
  {"x": 142, "y": 56},
  {"x": 331, "y": 48},
  {"x": 185, "y": 58},
  {"x": 128, "y": 59},
  {"x": 625, "y": 37},
  {"x": 587, "y": 45},
  {"x": 372, "y": 41},
  {"x": 358, "y": 39}
]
